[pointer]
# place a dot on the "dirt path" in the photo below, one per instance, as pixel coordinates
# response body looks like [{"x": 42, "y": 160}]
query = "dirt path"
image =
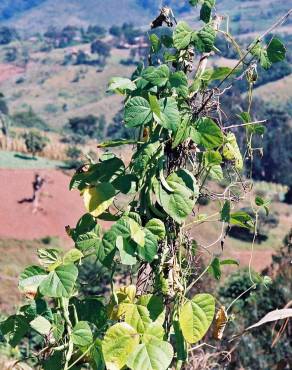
[{"x": 59, "y": 206}]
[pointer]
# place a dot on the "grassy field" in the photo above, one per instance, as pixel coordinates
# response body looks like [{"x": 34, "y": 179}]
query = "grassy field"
[{"x": 15, "y": 160}]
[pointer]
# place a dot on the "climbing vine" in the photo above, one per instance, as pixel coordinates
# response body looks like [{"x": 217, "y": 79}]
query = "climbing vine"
[{"x": 182, "y": 140}]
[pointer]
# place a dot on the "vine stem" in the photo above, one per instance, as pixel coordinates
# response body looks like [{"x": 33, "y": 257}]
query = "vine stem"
[
  {"x": 240, "y": 295},
  {"x": 64, "y": 306},
  {"x": 252, "y": 246},
  {"x": 249, "y": 49},
  {"x": 197, "y": 279},
  {"x": 81, "y": 357},
  {"x": 244, "y": 124}
]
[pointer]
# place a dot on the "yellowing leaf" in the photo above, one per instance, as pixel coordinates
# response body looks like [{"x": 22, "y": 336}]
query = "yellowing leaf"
[
  {"x": 231, "y": 150},
  {"x": 137, "y": 233},
  {"x": 97, "y": 199},
  {"x": 119, "y": 342},
  {"x": 196, "y": 317}
]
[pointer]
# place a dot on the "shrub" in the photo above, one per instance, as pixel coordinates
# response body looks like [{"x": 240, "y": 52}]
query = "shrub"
[{"x": 35, "y": 142}]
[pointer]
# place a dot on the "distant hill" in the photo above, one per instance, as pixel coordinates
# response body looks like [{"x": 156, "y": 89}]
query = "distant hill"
[{"x": 36, "y": 15}]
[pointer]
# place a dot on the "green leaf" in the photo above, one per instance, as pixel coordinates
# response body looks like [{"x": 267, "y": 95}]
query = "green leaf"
[
  {"x": 144, "y": 158},
  {"x": 41, "y": 325},
  {"x": 98, "y": 199},
  {"x": 155, "y": 43},
  {"x": 241, "y": 219},
  {"x": 204, "y": 39},
  {"x": 229, "y": 262},
  {"x": 58, "y": 326},
  {"x": 137, "y": 316},
  {"x": 155, "y": 107},
  {"x": 14, "y": 329},
  {"x": 231, "y": 150},
  {"x": 154, "y": 305},
  {"x": 182, "y": 35},
  {"x": 157, "y": 76},
  {"x": 206, "y": 9},
  {"x": 81, "y": 334},
  {"x": 215, "y": 268},
  {"x": 170, "y": 117},
  {"x": 60, "y": 282},
  {"x": 127, "y": 251},
  {"x": 181, "y": 132},
  {"x": 91, "y": 310},
  {"x": 261, "y": 53},
  {"x": 157, "y": 227},
  {"x": 153, "y": 331},
  {"x": 89, "y": 240},
  {"x": 31, "y": 278},
  {"x": 180, "y": 202},
  {"x": 126, "y": 184},
  {"x": 216, "y": 173},
  {"x": 225, "y": 212},
  {"x": 121, "y": 84},
  {"x": 103, "y": 171},
  {"x": 220, "y": 73},
  {"x": 137, "y": 112},
  {"x": 119, "y": 342},
  {"x": 208, "y": 133},
  {"x": 196, "y": 317},
  {"x": 178, "y": 81},
  {"x": 137, "y": 232},
  {"x": 167, "y": 41},
  {"x": 180, "y": 343},
  {"x": 72, "y": 255},
  {"x": 154, "y": 355},
  {"x": 149, "y": 251},
  {"x": 212, "y": 158},
  {"x": 48, "y": 256},
  {"x": 276, "y": 50}
]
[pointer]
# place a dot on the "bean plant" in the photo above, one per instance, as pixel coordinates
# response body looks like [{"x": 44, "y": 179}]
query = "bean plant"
[{"x": 182, "y": 146}]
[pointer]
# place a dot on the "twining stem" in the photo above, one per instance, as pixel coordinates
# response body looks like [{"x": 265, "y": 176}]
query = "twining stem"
[{"x": 64, "y": 305}]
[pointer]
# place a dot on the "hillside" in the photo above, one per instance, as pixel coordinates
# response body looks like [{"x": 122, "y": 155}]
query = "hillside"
[{"x": 37, "y": 15}]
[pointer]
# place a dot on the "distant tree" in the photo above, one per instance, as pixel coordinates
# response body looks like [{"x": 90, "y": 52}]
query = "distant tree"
[
  {"x": 3, "y": 105},
  {"x": 7, "y": 35},
  {"x": 101, "y": 125},
  {"x": 84, "y": 126},
  {"x": 82, "y": 58},
  {"x": 115, "y": 31},
  {"x": 10, "y": 54},
  {"x": 29, "y": 119},
  {"x": 130, "y": 32},
  {"x": 102, "y": 49},
  {"x": 35, "y": 142},
  {"x": 93, "y": 32},
  {"x": 74, "y": 154}
]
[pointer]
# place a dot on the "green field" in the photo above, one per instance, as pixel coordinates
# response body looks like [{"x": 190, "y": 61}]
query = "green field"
[{"x": 14, "y": 160}]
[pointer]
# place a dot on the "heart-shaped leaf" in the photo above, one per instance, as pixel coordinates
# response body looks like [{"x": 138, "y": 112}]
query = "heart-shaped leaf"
[{"x": 196, "y": 317}]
